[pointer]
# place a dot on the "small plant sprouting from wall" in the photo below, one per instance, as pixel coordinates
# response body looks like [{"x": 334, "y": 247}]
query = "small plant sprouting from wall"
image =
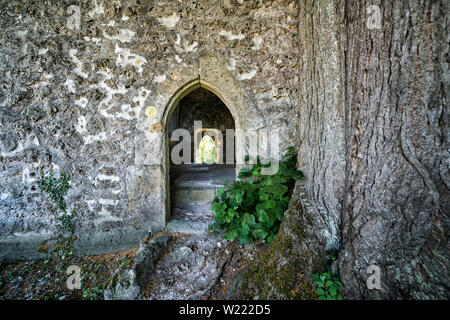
[
  {"x": 253, "y": 207},
  {"x": 56, "y": 189}
]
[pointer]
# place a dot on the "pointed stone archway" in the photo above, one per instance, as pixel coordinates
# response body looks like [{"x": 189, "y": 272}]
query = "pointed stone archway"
[{"x": 148, "y": 180}]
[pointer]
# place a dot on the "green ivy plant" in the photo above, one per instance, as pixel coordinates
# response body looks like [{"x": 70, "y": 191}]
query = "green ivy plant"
[
  {"x": 328, "y": 284},
  {"x": 56, "y": 189},
  {"x": 92, "y": 293},
  {"x": 253, "y": 207}
]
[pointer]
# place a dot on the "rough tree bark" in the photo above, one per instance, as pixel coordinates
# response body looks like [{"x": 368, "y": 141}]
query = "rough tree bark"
[
  {"x": 374, "y": 147},
  {"x": 396, "y": 206}
]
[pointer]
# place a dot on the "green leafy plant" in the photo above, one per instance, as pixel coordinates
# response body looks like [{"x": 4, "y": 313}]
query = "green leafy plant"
[
  {"x": 253, "y": 207},
  {"x": 92, "y": 293},
  {"x": 56, "y": 189},
  {"x": 328, "y": 284}
]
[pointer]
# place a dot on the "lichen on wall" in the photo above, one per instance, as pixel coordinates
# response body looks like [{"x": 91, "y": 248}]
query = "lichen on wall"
[{"x": 78, "y": 78}]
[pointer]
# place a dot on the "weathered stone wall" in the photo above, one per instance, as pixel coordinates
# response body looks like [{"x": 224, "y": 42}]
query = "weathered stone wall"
[
  {"x": 74, "y": 95},
  {"x": 366, "y": 106}
]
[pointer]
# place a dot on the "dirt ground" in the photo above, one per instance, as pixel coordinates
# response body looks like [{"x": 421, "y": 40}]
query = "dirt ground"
[{"x": 46, "y": 279}]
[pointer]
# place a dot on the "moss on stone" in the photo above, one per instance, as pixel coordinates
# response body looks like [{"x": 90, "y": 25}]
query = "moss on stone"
[{"x": 278, "y": 274}]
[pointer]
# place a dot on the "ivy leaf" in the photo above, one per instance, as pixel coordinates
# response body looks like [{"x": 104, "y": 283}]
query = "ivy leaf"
[
  {"x": 261, "y": 234},
  {"x": 279, "y": 212},
  {"x": 264, "y": 197},
  {"x": 232, "y": 212},
  {"x": 263, "y": 216},
  {"x": 271, "y": 204},
  {"x": 333, "y": 292},
  {"x": 244, "y": 239},
  {"x": 270, "y": 238},
  {"x": 244, "y": 230},
  {"x": 220, "y": 192},
  {"x": 233, "y": 234},
  {"x": 244, "y": 173},
  {"x": 252, "y": 209}
]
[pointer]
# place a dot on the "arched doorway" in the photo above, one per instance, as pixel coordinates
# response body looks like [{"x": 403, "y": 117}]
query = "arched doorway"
[
  {"x": 206, "y": 166},
  {"x": 148, "y": 184}
]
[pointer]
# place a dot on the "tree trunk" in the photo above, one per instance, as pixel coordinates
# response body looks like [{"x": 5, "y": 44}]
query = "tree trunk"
[
  {"x": 396, "y": 205},
  {"x": 374, "y": 147}
]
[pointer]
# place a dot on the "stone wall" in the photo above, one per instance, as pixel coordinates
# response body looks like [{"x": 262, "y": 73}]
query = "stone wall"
[
  {"x": 75, "y": 90},
  {"x": 367, "y": 107}
]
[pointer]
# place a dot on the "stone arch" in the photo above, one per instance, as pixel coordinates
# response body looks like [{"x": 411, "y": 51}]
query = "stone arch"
[
  {"x": 151, "y": 139},
  {"x": 193, "y": 85},
  {"x": 212, "y": 75},
  {"x": 172, "y": 105}
]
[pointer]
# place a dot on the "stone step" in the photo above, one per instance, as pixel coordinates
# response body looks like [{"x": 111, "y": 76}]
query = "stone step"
[
  {"x": 188, "y": 227},
  {"x": 191, "y": 216},
  {"x": 200, "y": 177},
  {"x": 192, "y": 211},
  {"x": 195, "y": 207},
  {"x": 194, "y": 195},
  {"x": 199, "y": 184}
]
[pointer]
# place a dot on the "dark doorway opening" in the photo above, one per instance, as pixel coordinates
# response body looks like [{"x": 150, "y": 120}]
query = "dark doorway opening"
[{"x": 193, "y": 186}]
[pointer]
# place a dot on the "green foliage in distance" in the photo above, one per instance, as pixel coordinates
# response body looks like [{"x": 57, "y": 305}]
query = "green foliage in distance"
[
  {"x": 253, "y": 207},
  {"x": 207, "y": 150},
  {"x": 328, "y": 284}
]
